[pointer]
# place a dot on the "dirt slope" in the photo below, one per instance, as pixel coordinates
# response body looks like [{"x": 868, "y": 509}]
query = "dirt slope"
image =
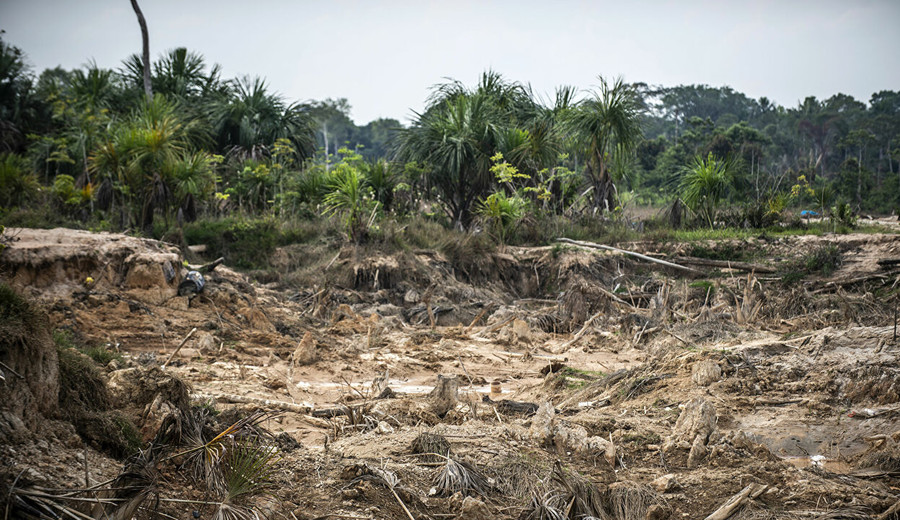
[{"x": 672, "y": 393}]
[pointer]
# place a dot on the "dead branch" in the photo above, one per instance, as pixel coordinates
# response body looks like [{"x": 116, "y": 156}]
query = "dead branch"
[
  {"x": 189, "y": 334},
  {"x": 891, "y": 512},
  {"x": 496, "y": 326},
  {"x": 592, "y": 245},
  {"x": 727, "y": 264},
  {"x": 737, "y": 501},
  {"x": 581, "y": 332}
]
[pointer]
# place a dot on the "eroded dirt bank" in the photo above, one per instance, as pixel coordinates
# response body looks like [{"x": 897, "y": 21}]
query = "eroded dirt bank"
[{"x": 620, "y": 387}]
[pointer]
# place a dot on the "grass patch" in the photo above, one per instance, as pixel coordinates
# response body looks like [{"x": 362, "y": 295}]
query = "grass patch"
[
  {"x": 576, "y": 379},
  {"x": 822, "y": 260},
  {"x": 101, "y": 355},
  {"x": 85, "y": 402}
]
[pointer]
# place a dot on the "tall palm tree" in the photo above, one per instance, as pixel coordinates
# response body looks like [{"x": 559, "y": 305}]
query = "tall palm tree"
[
  {"x": 182, "y": 74},
  {"x": 457, "y": 138},
  {"x": 608, "y": 126},
  {"x": 252, "y": 118}
]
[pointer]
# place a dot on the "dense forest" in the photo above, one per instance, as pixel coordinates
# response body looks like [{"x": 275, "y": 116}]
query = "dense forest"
[{"x": 203, "y": 153}]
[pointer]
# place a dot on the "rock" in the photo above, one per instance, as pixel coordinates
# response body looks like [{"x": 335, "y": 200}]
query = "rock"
[
  {"x": 148, "y": 395},
  {"x": 206, "y": 344},
  {"x": 474, "y": 509},
  {"x": 154, "y": 415},
  {"x": 698, "y": 452},
  {"x": 306, "y": 352},
  {"x": 706, "y": 372},
  {"x": 657, "y": 512},
  {"x": 521, "y": 332},
  {"x": 666, "y": 483},
  {"x": 568, "y": 437}
]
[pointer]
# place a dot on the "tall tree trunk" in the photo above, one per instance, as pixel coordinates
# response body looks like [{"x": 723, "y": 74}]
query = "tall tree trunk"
[
  {"x": 145, "y": 54},
  {"x": 859, "y": 180}
]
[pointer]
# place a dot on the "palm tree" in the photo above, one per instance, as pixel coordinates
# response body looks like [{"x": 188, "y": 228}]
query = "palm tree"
[
  {"x": 457, "y": 138},
  {"x": 182, "y": 74},
  {"x": 704, "y": 184},
  {"x": 252, "y": 118},
  {"x": 148, "y": 156},
  {"x": 608, "y": 126}
]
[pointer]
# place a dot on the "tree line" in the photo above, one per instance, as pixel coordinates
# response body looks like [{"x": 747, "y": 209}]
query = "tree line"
[{"x": 91, "y": 146}]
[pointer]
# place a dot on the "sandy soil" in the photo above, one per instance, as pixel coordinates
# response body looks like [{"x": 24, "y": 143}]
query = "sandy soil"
[{"x": 687, "y": 392}]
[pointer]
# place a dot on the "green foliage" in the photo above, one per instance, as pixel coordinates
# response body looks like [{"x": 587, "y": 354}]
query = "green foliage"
[
  {"x": 350, "y": 196},
  {"x": 68, "y": 195},
  {"x": 247, "y": 242},
  {"x": 608, "y": 127},
  {"x": 842, "y": 215},
  {"x": 17, "y": 183},
  {"x": 823, "y": 260},
  {"x": 703, "y": 185},
  {"x": 502, "y": 214}
]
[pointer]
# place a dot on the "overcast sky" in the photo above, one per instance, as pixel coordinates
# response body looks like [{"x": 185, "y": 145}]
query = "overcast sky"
[{"x": 384, "y": 55}]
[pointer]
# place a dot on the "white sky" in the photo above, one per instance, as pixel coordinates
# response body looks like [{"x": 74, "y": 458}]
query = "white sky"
[{"x": 384, "y": 55}]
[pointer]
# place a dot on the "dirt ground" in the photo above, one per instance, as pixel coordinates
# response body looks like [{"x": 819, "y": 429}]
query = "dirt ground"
[{"x": 539, "y": 369}]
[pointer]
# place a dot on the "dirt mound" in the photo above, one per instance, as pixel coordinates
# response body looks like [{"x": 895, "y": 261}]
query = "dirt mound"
[
  {"x": 28, "y": 364},
  {"x": 61, "y": 261}
]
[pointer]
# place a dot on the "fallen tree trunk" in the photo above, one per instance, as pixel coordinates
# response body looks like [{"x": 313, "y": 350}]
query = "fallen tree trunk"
[
  {"x": 304, "y": 408},
  {"x": 592, "y": 245},
  {"x": 727, "y": 264},
  {"x": 737, "y": 501}
]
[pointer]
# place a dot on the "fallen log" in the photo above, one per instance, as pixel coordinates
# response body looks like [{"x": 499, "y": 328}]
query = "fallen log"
[
  {"x": 592, "y": 245},
  {"x": 737, "y": 501},
  {"x": 727, "y": 264},
  {"x": 304, "y": 408}
]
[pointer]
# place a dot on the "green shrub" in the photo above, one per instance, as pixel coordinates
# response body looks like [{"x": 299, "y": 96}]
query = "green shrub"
[
  {"x": 842, "y": 215},
  {"x": 17, "y": 183},
  {"x": 246, "y": 243},
  {"x": 822, "y": 260}
]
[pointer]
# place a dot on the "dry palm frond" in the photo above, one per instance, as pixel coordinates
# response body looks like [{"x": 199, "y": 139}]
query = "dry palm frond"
[
  {"x": 581, "y": 495},
  {"x": 233, "y": 512},
  {"x": 117, "y": 499},
  {"x": 205, "y": 458},
  {"x": 549, "y": 506},
  {"x": 518, "y": 477},
  {"x": 460, "y": 476},
  {"x": 431, "y": 446},
  {"x": 630, "y": 500}
]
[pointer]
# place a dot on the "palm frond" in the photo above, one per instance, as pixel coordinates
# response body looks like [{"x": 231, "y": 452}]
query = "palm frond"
[{"x": 460, "y": 477}]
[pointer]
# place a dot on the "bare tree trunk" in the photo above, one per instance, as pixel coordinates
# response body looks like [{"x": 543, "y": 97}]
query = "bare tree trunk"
[{"x": 145, "y": 55}]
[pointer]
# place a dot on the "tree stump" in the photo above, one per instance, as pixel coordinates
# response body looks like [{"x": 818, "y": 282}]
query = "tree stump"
[{"x": 444, "y": 396}]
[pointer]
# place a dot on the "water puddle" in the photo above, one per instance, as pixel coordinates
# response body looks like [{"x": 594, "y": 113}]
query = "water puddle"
[{"x": 820, "y": 461}]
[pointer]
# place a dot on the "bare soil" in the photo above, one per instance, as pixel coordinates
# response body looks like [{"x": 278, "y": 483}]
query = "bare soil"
[{"x": 686, "y": 388}]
